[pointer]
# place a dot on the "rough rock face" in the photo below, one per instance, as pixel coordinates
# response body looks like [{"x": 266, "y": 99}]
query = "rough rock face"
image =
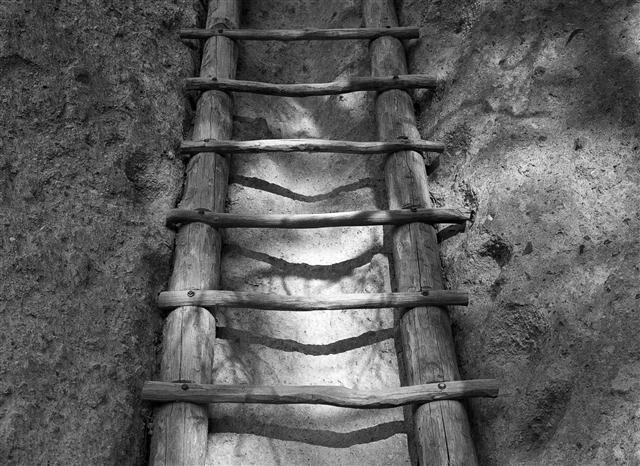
[
  {"x": 540, "y": 111},
  {"x": 539, "y": 107},
  {"x": 91, "y": 112}
]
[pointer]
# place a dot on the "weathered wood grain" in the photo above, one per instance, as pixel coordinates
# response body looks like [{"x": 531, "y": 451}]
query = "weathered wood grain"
[
  {"x": 177, "y": 217},
  {"x": 301, "y": 34},
  {"x": 309, "y": 145},
  {"x": 441, "y": 429},
  {"x": 341, "y": 86},
  {"x": 180, "y": 432},
  {"x": 325, "y": 395},
  {"x": 276, "y": 302}
]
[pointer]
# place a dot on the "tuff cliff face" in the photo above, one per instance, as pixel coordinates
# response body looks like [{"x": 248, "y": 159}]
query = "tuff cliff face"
[
  {"x": 91, "y": 112},
  {"x": 539, "y": 109}
]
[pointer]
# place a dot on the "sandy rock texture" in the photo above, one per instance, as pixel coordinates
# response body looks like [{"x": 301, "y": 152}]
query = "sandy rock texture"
[
  {"x": 349, "y": 348},
  {"x": 91, "y": 111},
  {"x": 539, "y": 108},
  {"x": 540, "y": 111}
]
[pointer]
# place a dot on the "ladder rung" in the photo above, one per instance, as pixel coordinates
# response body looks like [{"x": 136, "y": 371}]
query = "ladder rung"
[
  {"x": 209, "y": 298},
  {"x": 384, "y": 83},
  {"x": 176, "y": 217},
  {"x": 302, "y": 34},
  {"x": 324, "y": 395},
  {"x": 310, "y": 145}
]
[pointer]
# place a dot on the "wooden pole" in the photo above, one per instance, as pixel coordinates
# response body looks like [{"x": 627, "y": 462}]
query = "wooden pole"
[
  {"x": 276, "y": 302},
  {"x": 342, "y": 86},
  {"x": 308, "y": 145},
  {"x": 302, "y": 34},
  {"x": 442, "y": 433},
  {"x": 180, "y": 429},
  {"x": 336, "y": 219},
  {"x": 325, "y": 395}
]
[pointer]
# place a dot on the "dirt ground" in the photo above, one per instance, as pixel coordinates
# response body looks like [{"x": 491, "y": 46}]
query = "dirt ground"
[{"x": 539, "y": 109}]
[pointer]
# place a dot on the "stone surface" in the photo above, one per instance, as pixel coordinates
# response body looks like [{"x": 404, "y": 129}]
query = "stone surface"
[
  {"x": 540, "y": 113},
  {"x": 91, "y": 112}
]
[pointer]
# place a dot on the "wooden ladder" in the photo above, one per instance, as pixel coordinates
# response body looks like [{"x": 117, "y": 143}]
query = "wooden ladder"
[{"x": 442, "y": 433}]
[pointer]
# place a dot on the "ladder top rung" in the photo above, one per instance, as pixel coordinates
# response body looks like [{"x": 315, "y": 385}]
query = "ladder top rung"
[
  {"x": 302, "y": 34},
  {"x": 270, "y": 301},
  {"x": 340, "y": 86},
  {"x": 318, "y": 394},
  {"x": 309, "y": 145},
  {"x": 355, "y": 218}
]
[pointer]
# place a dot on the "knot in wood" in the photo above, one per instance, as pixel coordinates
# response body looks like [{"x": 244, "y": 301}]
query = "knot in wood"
[
  {"x": 191, "y": 293},
  {"x": 442, "y": 385}
]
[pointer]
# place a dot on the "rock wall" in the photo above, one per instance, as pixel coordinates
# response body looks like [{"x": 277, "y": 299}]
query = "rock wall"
[
  {"x": 91, "y": 112},
  {"x": 539, "y": 107},
  {"x": 540, "y": 112}
]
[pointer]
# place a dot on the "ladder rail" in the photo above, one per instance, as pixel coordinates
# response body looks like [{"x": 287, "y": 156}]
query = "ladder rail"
[
  {"x": 440, "y": 430},
  {"x": 181, "y": 429}
]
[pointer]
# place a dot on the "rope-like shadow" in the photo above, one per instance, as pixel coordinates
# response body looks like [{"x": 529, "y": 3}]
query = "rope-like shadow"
[
  {"x": 324, "y": 272},
  {"x": 263, "y": 185},
  {"x": 287, "y": 345},
  {"x": 324, "y": 438}
]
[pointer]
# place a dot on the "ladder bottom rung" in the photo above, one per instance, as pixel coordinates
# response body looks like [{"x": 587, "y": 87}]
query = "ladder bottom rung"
[
  {"x": 210, "y": 298},
  {"x": 324, "y": 395}
]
